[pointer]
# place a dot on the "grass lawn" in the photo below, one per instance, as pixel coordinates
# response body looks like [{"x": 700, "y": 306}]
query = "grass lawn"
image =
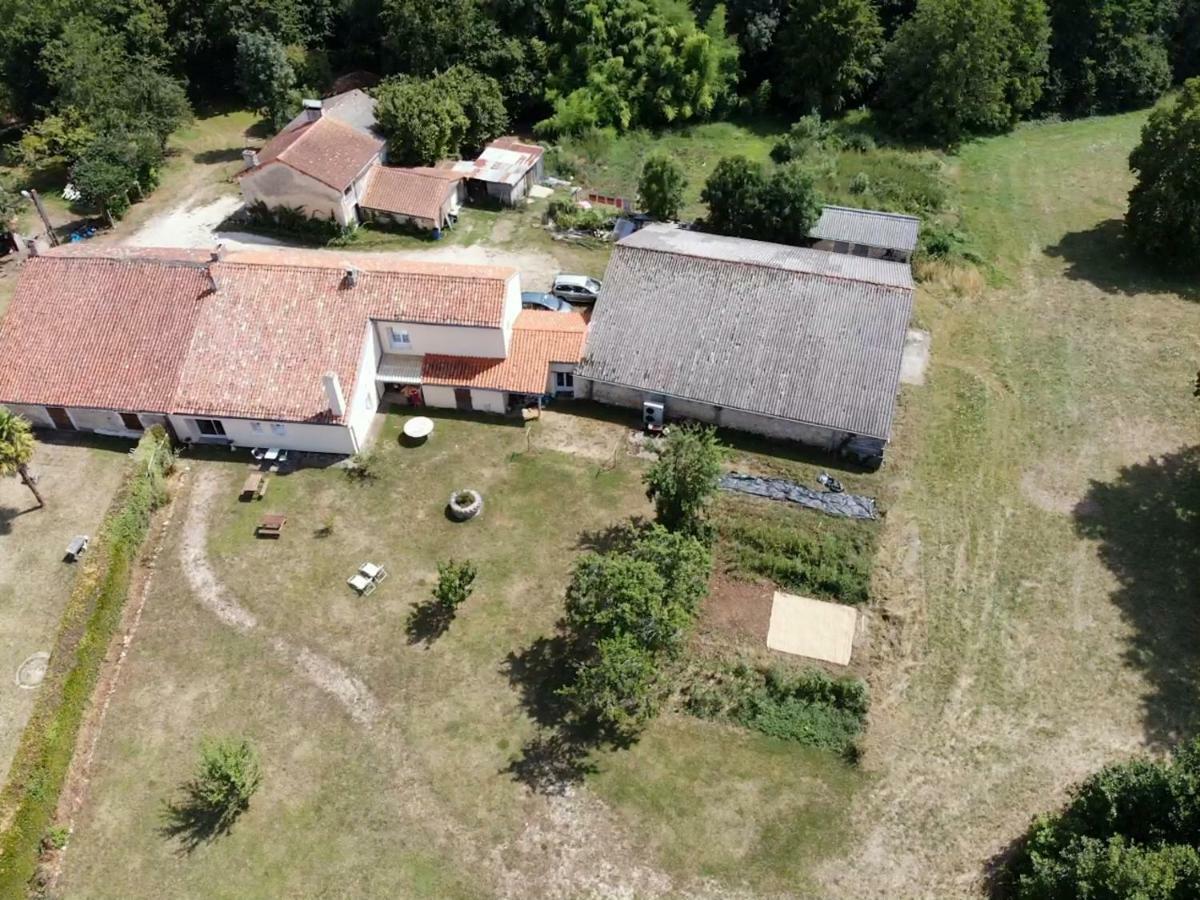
[
  {"x": 78, "y": 482},
  {"x": 421, "y": 801},
  {"x": 1037, "y": 582}
]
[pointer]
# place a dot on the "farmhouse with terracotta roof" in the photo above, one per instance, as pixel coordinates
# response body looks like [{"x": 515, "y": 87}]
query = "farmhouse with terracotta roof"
[
  {"x": 318, "y": 163},
  {"x": 268, "y": 348}
]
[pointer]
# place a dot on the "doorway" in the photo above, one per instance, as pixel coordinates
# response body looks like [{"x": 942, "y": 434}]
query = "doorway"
[
  {"x": 131, "y": 421},
  {"x": 59, "y": 417},
  {"x": 462, "y": 400}
]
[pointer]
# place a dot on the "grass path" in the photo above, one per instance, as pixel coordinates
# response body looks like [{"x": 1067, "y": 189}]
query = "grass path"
[{"x": 1024, "y": 644}]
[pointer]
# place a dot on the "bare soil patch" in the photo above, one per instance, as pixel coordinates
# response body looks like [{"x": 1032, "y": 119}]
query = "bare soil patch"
[{"x": 738, "y": 608}]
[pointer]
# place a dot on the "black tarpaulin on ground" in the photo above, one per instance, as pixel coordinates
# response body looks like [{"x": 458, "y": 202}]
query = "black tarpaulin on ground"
[{"x": 850, "y": 506}]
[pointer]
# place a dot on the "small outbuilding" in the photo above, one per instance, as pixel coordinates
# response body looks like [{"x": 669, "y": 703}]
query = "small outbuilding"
[
  {"x": 420, "y": 197},
  {"x": 504, "y": 172},
  {"x": 866, "y": 232}
]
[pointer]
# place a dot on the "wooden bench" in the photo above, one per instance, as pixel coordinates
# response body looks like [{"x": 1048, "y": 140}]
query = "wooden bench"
[{"x": 271, "y": 525}]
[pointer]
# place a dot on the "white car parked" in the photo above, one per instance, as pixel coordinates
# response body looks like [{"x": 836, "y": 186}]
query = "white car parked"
[{"x": 576, "y": 288}]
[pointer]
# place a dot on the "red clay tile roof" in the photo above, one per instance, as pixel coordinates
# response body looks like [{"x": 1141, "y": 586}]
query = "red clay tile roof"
[
  {"x": 149, "y": 334},
  {"x": 539, "y": 338},
  {"x": 325, "y": 149},
  {"x": 408, "y": 192},
  {"x": 101, "y": 333}
]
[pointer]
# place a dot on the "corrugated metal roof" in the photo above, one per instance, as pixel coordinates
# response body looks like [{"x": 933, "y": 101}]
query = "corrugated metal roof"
[
  {"x": 671, "y": 239},
  {"x": 889, "y": 231},
  {"x": 753, "y": 327}
]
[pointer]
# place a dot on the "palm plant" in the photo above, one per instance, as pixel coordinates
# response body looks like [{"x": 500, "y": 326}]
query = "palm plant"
[{"x": 16, "y": 450}]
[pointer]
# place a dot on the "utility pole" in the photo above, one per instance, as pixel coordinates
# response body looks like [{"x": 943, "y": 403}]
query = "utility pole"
[{"x": 31, "y": 194}]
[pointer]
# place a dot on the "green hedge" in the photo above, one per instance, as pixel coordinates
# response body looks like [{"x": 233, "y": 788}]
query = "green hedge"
[
  {"x": 806, "y": 706},
  {"x": 92, "y": 615}
]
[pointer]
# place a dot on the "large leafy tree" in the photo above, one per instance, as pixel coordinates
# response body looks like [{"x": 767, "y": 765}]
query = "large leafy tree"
[
  {"x": 1185, "y": 41},
  {"x": 265, "y": 76},
  {"x": 963, "y": 67},
  {"x": 1129, "y": 831},
  {"x": 115, "y": 167},
  {"x": 790, "y": 204},
  {"x": 1164, "y": 205},
  {"x": 743, "y": 201},
  {"x": 1108, "y": 55},
  {"x": 827, "y": 52},
  {"x": 429, "y": 119},
  {"x": 733, "y": 194},
  {"x": 626, "y": 63},
  {"x": 660, "y": 187},
  {"x": 16, "y": 450}
]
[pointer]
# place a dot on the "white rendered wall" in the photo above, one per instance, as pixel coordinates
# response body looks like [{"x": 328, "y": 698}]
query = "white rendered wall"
[
  {"x": 286, "y": 436},
  {"x": 488, "y": 401},
  {"x": 438, "y": 395},
  {"x": 363, "y": 400},
  {"x": 449, "y": 340},
  {"x": 37, "y": 415}
]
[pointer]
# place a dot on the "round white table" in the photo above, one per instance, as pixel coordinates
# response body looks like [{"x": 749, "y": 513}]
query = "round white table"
[{"x": 418, "y": 427}]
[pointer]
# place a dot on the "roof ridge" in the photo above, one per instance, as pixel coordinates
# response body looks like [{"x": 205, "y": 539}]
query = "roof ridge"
[
  {"x": 762, "y": 264},
  {"x": 872, "y": 212}
]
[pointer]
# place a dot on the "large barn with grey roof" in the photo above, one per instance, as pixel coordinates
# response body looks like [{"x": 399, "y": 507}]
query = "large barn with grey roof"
[{"x": 788, "y": 342}]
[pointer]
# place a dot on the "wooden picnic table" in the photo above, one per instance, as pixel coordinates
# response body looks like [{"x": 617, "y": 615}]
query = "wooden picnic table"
[
  {"x": 271, "y": 525},
  {"x": 255, "y": 485}
]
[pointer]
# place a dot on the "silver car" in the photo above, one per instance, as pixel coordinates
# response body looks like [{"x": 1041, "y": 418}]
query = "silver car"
[{"x": 576, "y": 288}]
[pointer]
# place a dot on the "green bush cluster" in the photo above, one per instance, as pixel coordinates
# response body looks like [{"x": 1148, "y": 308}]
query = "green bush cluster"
[
  {"x": 809, "y": 706},
  {"x": 834, "y": 562},
  {"x": 92, "y": 615},
  {"x": 569, "y": 217},
  {"x": 628, "y": 612},
  {"x": 1130, "y": 830},
  {"x": 293, "y": 221}
]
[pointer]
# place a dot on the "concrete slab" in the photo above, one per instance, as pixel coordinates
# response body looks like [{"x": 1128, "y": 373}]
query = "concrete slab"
[
  {"x": 915, "y": 357},
  {"x": 540, "y": 191},
  {"x": 812, "y": 628}
]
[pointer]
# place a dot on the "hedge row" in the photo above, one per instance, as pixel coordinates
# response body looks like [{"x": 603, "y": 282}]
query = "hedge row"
[{"x": 92, "y": 615}]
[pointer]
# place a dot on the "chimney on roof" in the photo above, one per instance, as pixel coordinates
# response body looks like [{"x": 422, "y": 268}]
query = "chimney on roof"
[
  {"x": 250, "y": 158},
  {"x": 34, "y": 249},
  {"x": 218, "y": 254},
  {"x": 313, "y": 110},
  {"x": 333, "y": 393},
  {"x": 351, "y": 278}
]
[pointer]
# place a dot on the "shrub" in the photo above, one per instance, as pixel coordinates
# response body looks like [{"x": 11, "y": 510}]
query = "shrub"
[
  {"x": 364, "y": 466},
  {"x": 226, "y": 779},
  {"x": 858, "y": 141},
  {"x": 860, "y": 183},
  {"x": 683, "y": 479},
  {"x": 293, "y": 221},
  {"x": 809, "y": 707},
  {"x": 455, "y": 582},
  {"x": 567, "y": 216}
]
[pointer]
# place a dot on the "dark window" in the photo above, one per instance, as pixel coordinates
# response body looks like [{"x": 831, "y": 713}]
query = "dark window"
[
  {"x": 210, "y": 426},
  {"x": 564, "y": 379},
  {"x": 131, "y": 421}
]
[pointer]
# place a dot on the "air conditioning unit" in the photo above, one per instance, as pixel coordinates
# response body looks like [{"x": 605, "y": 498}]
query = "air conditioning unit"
[{"x": 652, "y": 414}]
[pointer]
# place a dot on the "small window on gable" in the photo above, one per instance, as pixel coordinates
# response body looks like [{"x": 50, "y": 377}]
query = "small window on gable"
[
  {"x": 398, "y": 337},
  {"x": 277, "y": 428}
]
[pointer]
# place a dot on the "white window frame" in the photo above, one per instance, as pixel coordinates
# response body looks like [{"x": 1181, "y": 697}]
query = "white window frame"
[{"x": 398, "y": 338}]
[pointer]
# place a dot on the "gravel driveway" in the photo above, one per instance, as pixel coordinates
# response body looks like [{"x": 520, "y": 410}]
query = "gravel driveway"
[{"x": 194, "y": 224}]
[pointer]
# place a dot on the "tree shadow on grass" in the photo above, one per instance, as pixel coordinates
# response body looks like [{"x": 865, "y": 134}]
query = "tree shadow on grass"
[
  {"x": 1104, "y": 257},
  {"x": 1147, "y": 523},
  {"x": 193, "y": 822},
  {"x": 558, "y": 756},
  {"x": 428, "y": 621},
  {"x": 216, "y": 157}
]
